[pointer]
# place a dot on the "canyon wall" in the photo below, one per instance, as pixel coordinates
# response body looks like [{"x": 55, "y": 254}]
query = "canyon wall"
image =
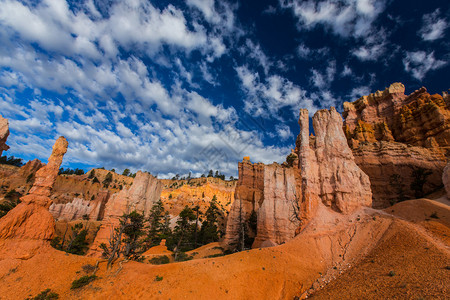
[
  {"x": 395, "y": 137},
  {"x": 143, "y": 193}
]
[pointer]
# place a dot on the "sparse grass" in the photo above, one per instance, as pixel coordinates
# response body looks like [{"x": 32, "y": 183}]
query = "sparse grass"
[
  {"x": 159, "y": 260},
  {"x": 83, "y": 281},
  {"x": 158, "y": 278},
  {"x": 45, "y": 295}
]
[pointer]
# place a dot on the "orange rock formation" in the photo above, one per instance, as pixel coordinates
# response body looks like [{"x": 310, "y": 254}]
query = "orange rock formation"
[
  {"x": 392, "y": 134},
  {"x": 30, "y": 225},
  {"x": 320, "y": 173}
]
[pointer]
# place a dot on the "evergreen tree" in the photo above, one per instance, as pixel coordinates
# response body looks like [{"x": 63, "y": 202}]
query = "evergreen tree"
[
  {"x": 134, "y": 230},
  {"x": 108, "y": 180},
  {"x": 210, "y": 173},
  {"x": 209, "y": 231},
  {"x": 155, "y": 220},
  {"x": 125, "y": 239},
  {"x": 126, "y": 172},
  {"x": 182, "y": 234}
]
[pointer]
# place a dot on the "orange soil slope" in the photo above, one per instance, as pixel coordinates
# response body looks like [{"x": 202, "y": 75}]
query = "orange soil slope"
[
  {"x": 417, "y": 253},
  {"x": 328, "y": 246}
]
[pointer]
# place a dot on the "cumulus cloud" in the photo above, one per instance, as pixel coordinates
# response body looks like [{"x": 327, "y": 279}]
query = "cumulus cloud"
[
  {"x": 433, "y": 26},
  {"x": 130, "y": 25},
  {"x": 419, "y": 63},
  {"x": 121, "y": 111}
]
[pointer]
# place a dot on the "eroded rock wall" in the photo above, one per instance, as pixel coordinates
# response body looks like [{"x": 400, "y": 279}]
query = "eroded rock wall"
[
  {"x": 393, "y": 134},
  {"x": 143, "y": 193},
  {"x": 328, "y": 170},
  {"x": 319, "y": 175}
]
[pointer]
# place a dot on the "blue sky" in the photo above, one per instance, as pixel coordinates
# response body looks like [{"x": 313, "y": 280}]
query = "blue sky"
[{"x": 187, "y": 86}]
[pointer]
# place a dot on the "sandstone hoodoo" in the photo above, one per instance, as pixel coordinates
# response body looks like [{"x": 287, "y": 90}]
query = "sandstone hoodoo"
[
  {"x": 274, "y": 201},
  {"x": 4, "y": 133},
  {"x": 397, "y": 138},
  {"x": 30, "y": 225}
]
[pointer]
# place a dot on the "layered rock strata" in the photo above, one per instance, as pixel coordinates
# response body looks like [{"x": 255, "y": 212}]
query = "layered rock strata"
[
  {"x": 392, "y": 135},
  {"x": 321, "y": 171},
  {"x": 80, "y": 209},
  {"x": 30, "y": 225},
  {"x": 269, "y": 192},
  {"x": 143, "y": 193}
]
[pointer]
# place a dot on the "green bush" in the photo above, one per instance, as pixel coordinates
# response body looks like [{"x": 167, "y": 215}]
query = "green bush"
[
  {"x": 45, "y": 295},
  {"x": 215, "y": 255},
  {"x": 83, "y": 281},
  {"x": 160, "y": 260},
  {"x": 158, "y": 278},
  {"x": 182, "y": 256}
]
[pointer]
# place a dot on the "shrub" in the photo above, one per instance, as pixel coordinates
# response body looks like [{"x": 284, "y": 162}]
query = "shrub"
[
  {"x": 83, "y": 281},
  {"x": 159, "y": 260},
  {"x": 45, "y": 295},
  {"x": 158, "y": 278},
  {"x": 214, "y": 255},
  {"x": 290, "y": 159},
  {"x": 88, "y": 268},
  {"x": 391, "y": 273},
  {"x": 182, "y": 256}
]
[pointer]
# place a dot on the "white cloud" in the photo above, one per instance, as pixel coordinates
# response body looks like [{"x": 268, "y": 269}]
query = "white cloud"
[
  {"x": 284, "y": 132},
  {"x": 267, "y": 98},
  {"x": 419, "y": 63},
  {"x": 433, "y": 27},
  {"x": 323, "y": 80},
  {"x": 345, "y": 18},
  {"x": 369, "y": 52},
  {"x": 358, "y": 92}
]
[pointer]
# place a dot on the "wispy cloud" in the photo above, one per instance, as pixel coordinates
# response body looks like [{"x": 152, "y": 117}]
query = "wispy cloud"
[
  {"x": 419, "y": 63},
  {"x": 433, "y": 26}
]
